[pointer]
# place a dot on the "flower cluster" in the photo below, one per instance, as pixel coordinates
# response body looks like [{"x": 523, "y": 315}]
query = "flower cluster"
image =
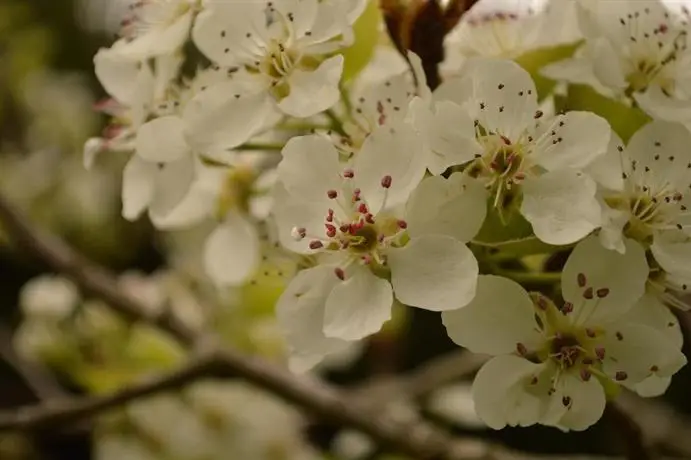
[{"x": 258, "y": 117}]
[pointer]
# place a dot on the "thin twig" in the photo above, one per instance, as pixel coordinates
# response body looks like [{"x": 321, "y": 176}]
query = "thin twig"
[{"x": 418, "y": 439}]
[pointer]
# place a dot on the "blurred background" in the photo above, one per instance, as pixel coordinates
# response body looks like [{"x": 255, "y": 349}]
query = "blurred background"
[{"x": 47, "y": 95}]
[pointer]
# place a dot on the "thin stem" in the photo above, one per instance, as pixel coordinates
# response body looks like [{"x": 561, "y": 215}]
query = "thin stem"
[
  {"x": 269, "y": 146},
  {"x": 530, "y": 277},
  {"x": 336, "y": 122}
]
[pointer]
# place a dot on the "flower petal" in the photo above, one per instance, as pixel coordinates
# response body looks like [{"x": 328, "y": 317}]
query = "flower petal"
[
  {"x": 561, "y": 206},
  {"x": 451, "y": 136},
  {"x": 434, "y": 272},
  {"x": 586, "y": 401},
  {"x": 500, "y": 394},
  {"x": 499, "y": 318},
  {"x": 606, "y": 169},
  {"x": 162, "y": 40},
  {"x": 394, "y": 150},
  {"x": 225, "y": 115},
  {"x": 504, "y": 97},
  {"x": 198, "y": 204},
  {"x": 456, "y": 207},
  {"x": 231, "y": 33},
  {"x": 231, "y": 253},
  {"x": 640, "y": 351},
  {"x": 162, "y": 140},
  {"x": 661, "y": 149},
  {"x": 121, "y": 76},
  {"x": 300, "y": 314},
  {"x": 652, "y": 386},
  {"x": 572, "y": 140},
  {"x": 314, "y": 91},
  {"x": 674, "y": 257},
  {"x": 358, "y": 306},
  {"x": 310, "y": 167},
  {"x": 613, "y": 284},
  {"x": 137, "y": 187},
  {"x": 172, "y": 183}
]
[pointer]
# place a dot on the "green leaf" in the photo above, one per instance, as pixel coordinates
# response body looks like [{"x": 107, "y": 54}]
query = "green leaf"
[
  {"x": 534, "y": 61},
  {"x": 514, "y": 237},
  {"x": 367, "y": 34},
  {"x": 625, "y": 120}
]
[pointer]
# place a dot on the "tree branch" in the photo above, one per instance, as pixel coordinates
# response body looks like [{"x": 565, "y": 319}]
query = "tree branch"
[{"x": 419, "y": 439}]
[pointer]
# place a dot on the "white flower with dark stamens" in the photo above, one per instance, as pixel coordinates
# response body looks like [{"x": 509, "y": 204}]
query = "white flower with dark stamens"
[
  {"x": 157, "y": 27},
  {"x": 551, "y": 363},
  {"x": 350, "y": 219},
  {"x": 134, "y": 90},
  {"x": 234, "y": 197},
  {"x": 162, "y": 170},
  {"x": 509, "y": 31},
  {"x": 489, "y": 121},
  {"x": 636, "y": 51},
  {"x": 646, "y": 196},
  {"x": 281, "y": 48},
  {"x": 386, "y": 102}
]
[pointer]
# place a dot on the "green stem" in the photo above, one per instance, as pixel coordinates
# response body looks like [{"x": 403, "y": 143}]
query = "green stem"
[
  {"x": 274, "y": 146},
  {"x": 336, "y": 123},
  {"x": 530, "y": 277}
]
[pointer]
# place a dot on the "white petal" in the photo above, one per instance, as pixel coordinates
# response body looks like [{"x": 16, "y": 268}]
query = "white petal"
[
  {"x": 120, "y": 75},
  {"x": 300, "y": 314},
  {"x": 623, "y": 275},
  {"x": 662, "y": 147},
  {"x": 314, "y": 91},
  {"x": 163, "y": 40},
  {"x": 606, "y": 64},
  {"x": 586, "y": 401},
  {"x": 231, "y": 252},
  {"x": 172, "y": 184},
  {"x": 434, "y": 272},
  {"x": 225, "y": 115},
  {"x": 572, "y": 140},
  {"x": 310, "y": 167},
  {"x": 612, "y": 232},
  {"x": 137, "y": 187},
  {"x": 607, "y": 169},
  {"x": 674, "y": 257},
  {"x": 577, "y": 70},
  {"x": 358, "y": 307},
  {"x": 508, "y": 95},
  {"x": 451, "y": 136},
  {"x": 659, "y": 105},
  {"x": 291, "y": 212},
  {"x": 162, "y": 140},
  {"x": 456, "y": 207},
  {"x": 652, "y": 386},
  {"x": 651, "y": 311},
  {"x": 500, "y": 317},
  {"x": 221, "y": 31},
  {"x": 640, "y": 351},
  {"x": 561, "y": 206},
  {"x": 500, "y": 393},
  {"x": 199, "y": 202},
  {"x": 394, "y": 150}
]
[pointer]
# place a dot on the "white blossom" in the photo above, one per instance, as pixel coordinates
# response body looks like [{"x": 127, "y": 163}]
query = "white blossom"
[
  {"x": 489, "y": 121},
  {"x": 509, "y": 29},
  {"x": 636, "y": 51},
  {"x": 644, "y": 191},
  {"x": 157, "y": 27},
  {"x": 550, "y": 362},
  {"x": 279, "y": 51},
  {"x": 350, "y": 218}
]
